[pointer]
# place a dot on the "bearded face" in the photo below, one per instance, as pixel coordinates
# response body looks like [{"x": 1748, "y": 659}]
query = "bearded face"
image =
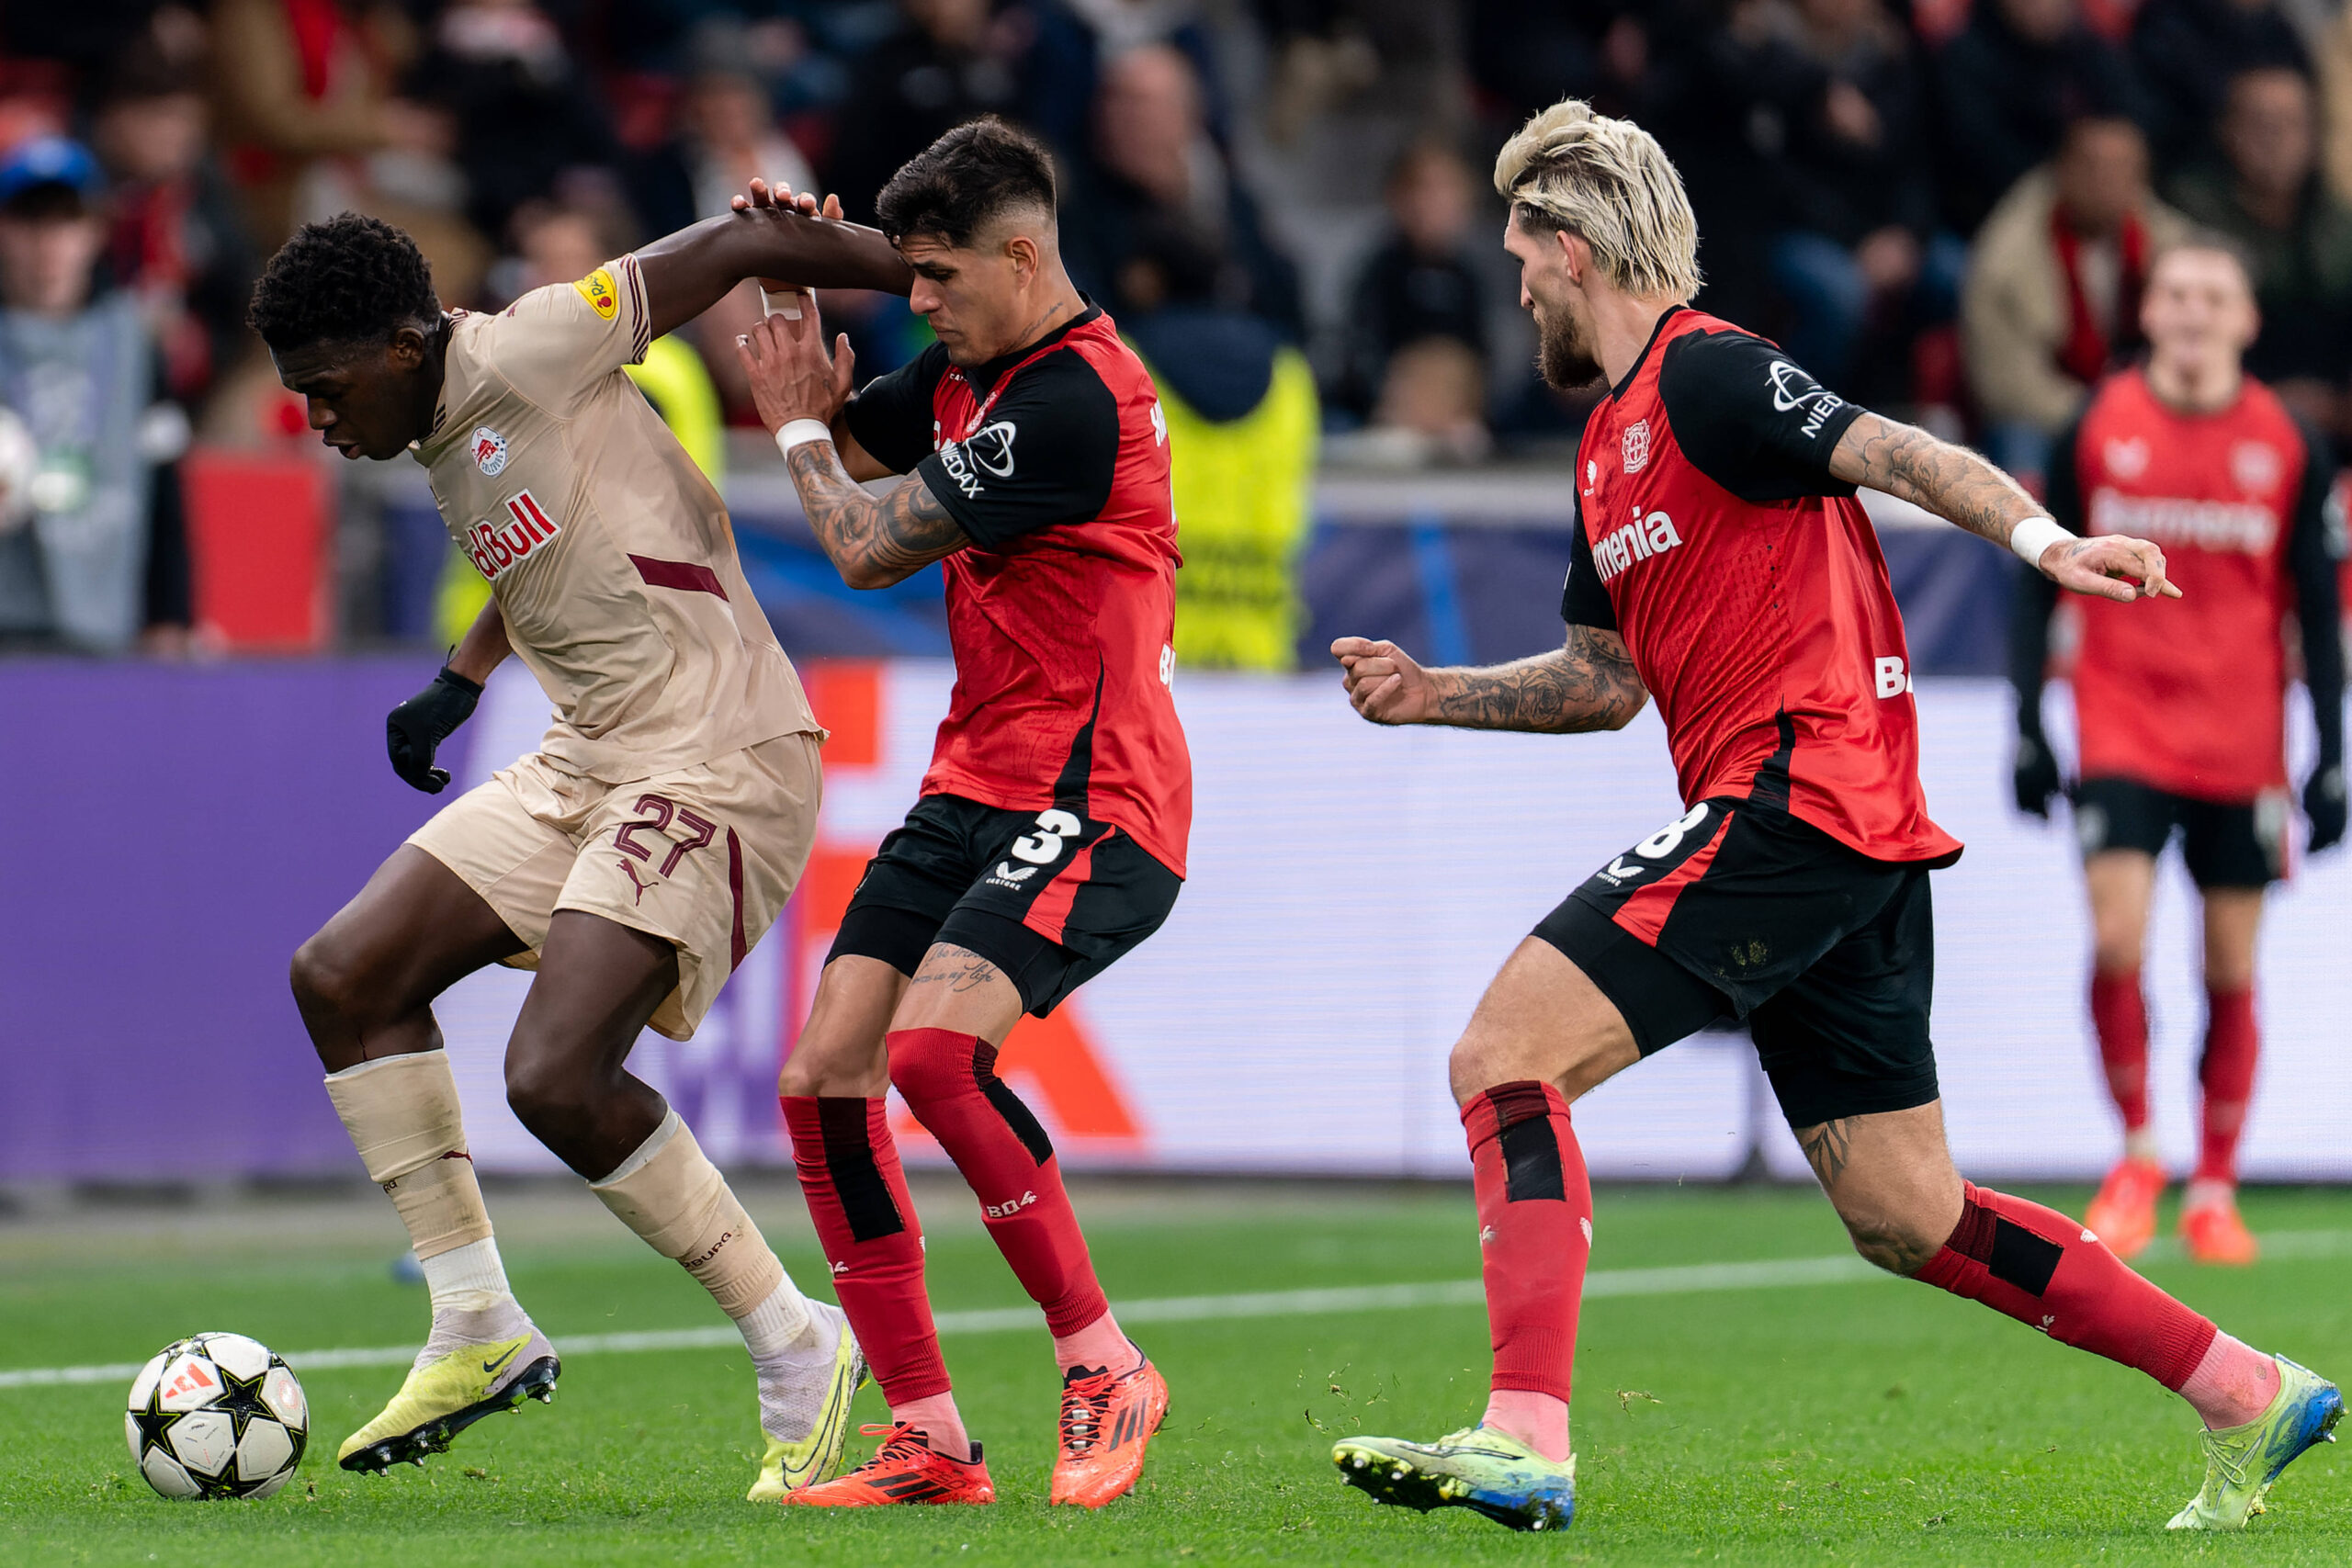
[{"x": 1563, "y": 351}]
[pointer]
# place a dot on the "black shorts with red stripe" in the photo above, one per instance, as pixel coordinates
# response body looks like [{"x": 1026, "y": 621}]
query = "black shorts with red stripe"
[
  {"x": 1739, "y": 910},
  {"x": 1051, "y": 898}
]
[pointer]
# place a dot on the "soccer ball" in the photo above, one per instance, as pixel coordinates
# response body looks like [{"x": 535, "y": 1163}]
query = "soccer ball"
[{"x": 217, "y": 1415}]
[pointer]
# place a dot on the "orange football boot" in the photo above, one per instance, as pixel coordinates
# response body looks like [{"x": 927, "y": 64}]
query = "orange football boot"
[
  {"x": 1107, "y": 1421},
  {"x": 2124, "y": 1215},
  {"x": 903, "y": 1470},
  {"x": 2213, "y": 1232}
]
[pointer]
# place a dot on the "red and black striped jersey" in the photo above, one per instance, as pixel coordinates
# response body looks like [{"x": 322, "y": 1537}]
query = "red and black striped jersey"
[
  {"x": 2189, "y": 695},
  {"x": 1748, "y": 586},
  {"x": 1054, "y": 459}
]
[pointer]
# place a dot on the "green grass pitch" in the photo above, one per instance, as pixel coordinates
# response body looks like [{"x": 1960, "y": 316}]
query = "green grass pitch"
[{"x": 1865, "y": 1422}]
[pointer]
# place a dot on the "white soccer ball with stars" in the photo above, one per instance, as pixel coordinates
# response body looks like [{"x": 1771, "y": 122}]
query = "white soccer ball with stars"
[{"x": 217, "y": 1415}]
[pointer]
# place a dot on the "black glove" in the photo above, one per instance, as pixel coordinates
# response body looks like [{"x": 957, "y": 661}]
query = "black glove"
[
  {"x": 2324, "y": 806},
  {"x": 414, "y": 730},
  {"x": 2036, "y": 776}
]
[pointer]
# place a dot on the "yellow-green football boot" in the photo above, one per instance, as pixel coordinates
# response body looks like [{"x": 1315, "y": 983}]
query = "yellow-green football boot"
[
  {"x": 475, "y": 1364},
  {"x": 2241, "y": 1461},
  {"x": 785, "y": 1398},
  {"x": 1477, "y": 1468}
]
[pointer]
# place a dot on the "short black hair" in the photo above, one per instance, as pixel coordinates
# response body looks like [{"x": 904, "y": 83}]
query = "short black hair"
[
  {"x": 348, "y": 279},
  {"x": 954, "y": 187}
]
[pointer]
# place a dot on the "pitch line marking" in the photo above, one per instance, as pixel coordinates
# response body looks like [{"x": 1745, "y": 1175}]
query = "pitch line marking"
[{"x": 1692, "y": 1279}]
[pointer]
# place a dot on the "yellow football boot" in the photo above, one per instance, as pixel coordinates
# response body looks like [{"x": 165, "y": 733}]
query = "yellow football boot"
[
  {"x": 789, "y": 1467},
  {"x": 451, "y": 1387}
]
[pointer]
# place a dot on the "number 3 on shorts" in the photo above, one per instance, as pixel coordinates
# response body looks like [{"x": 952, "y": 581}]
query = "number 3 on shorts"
[{"x": 1045, "y": 846}]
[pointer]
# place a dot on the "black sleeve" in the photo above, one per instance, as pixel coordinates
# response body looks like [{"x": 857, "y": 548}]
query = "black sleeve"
[
  {"x": 1583, "y": 601},
  {"x": 1749, "y": 419},
  {"x": 1045, "y": 455},
  {"x": 891, "y": 418},
  {"x": 2315, "y": 552},
  {"x": 2035, "y": 597}
]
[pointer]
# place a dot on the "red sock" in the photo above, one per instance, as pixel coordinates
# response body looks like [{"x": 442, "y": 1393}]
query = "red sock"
[
  {"x": 2119, "y": 1014},
  {"x": 2046, "y": 1272},
  {"x": 950, "y": 1083},
  {"x": 867, "y": 1223},
  {"x": 1535, "y": 1229},
  {"x": 2232, "y": 1043}
]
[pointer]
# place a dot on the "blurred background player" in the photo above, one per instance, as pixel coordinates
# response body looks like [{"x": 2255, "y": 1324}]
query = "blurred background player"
[
  {"x": 2182, "y": 725},
  {"x": 1050, "y": 836},
  {"x": 634, "y": 858},
  {"x": 1722, "y": 563}
]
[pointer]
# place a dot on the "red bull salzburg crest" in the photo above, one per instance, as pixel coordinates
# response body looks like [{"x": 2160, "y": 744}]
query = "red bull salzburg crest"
[{"x": 489, "y": 451}]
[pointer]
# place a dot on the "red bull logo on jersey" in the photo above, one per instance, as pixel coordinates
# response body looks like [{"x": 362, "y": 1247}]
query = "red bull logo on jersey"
[
  {"x": 488, "y": 450},
  {"x": 1637, "y": 540},
  {"x": 2239, "y": 526},
  {"x": 495, "y": 543}
]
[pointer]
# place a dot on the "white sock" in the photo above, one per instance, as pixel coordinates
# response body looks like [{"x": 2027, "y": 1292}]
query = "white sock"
[
  {"x": 2142, "y": 1144},
  {"x": 2200, "y": 1193},
  {"x": 777, "y": 1324},
  {"x": 467, "y": 1279},
  {"x": 796, "y": 1366}
]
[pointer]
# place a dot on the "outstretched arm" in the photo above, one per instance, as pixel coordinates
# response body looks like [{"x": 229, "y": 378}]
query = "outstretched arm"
[
  {"x": 1589, "y": 683},
  {"x": 688, "y": 272},
  {"x": 1962, "y": 488}
]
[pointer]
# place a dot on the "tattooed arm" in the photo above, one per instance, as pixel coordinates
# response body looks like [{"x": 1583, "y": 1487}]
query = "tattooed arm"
[
  {"x": 871, "y": 540},
  {"x": 1589, "y": 685},
  {"x": 1962, "y": 488}
]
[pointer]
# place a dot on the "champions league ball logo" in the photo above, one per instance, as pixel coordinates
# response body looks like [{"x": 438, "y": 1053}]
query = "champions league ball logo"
[{"x": 489, "y": 451}]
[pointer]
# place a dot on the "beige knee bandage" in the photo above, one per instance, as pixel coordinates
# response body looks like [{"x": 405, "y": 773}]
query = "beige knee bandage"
[
  {"x": 671, "y": 1194},
  {"x": 401, "y": 1113}
]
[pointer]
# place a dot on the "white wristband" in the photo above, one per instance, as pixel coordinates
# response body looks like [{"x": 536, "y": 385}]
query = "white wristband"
[
  {"x": 799, "y": 432},
  {"x": 787, "y": 304},
  {"x": 2031, "y": 537}
]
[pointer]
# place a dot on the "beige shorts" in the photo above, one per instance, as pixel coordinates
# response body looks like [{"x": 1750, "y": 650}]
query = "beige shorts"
[{"x": 703, "y": 857}]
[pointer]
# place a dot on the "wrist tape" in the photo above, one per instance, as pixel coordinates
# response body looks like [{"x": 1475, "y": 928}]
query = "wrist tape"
[{"x": 2033, "y": 536}]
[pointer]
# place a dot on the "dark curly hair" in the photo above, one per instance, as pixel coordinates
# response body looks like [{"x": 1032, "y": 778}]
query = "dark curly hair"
[
  {"x": 952, "y": 188},
  {"x": 347, "y": 279}
]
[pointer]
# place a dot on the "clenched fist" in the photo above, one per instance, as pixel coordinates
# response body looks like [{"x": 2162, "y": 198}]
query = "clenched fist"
[{"x": 1384, "y": 683}]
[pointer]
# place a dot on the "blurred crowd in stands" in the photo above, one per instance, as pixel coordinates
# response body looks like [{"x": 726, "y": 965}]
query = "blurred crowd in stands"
[{"x": 1946, "y": 212}]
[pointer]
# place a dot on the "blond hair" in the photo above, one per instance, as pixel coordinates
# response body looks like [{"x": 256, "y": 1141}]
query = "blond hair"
[{"x": 1610, "y": 184}]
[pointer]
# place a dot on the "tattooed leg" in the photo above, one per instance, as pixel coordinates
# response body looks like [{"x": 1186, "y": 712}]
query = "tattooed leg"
[{"x": 1891, "y": 1180}]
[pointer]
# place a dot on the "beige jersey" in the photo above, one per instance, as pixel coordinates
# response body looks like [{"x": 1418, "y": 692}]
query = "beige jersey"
[{"x": 610, "y": 553}]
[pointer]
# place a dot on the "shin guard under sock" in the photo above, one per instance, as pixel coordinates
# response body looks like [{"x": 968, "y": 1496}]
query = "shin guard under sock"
[
  {"x": 865, "y": 1222},
  {"x": 2119, "y": 1015},
  {"x": 2225, "y": 1073},
  {"x": 2050, "y": 1273},
  {"x": 950, "y": 1083},
  {"x": 1534, "y": 1231}
]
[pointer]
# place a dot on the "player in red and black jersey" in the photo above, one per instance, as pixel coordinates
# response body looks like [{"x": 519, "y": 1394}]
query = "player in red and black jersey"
[
  {"x": 1050, "y": 835},
  {"x": 1723, "y": 566},
  {"x": 2182, "y": 728}
]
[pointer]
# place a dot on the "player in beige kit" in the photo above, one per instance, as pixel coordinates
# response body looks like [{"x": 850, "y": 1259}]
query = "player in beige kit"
[{"x": 635, "y": 858}]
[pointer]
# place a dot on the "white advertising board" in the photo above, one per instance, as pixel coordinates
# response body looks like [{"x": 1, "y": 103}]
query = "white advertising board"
[{"x": 1352, "y": 890}]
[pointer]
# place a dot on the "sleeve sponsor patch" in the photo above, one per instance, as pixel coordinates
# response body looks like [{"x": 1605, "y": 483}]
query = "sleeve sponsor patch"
[{"x": 601, "y": 292}]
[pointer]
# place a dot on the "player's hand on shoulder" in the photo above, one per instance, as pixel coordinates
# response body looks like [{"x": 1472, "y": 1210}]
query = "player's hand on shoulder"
[
  {"x": 2325, "y": 809},
  {"x": 414, "y": 730},
  {"x": 2035, "y": 776},
  {"x": 1383, "y": 681},
  {"x": 2109, "y": 566}
]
